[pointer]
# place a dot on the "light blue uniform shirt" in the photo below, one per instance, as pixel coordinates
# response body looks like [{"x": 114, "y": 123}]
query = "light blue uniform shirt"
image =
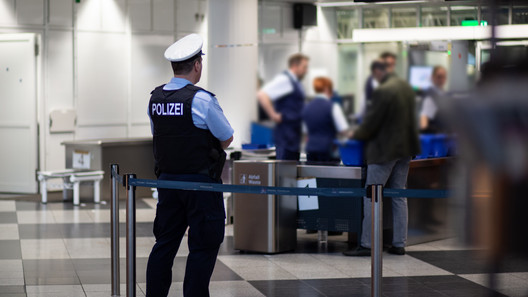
[{"x": 205, "y": 110}]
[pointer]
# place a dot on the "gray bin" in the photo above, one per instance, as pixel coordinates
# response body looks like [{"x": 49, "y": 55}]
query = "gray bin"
[{"x": 265, "y": 223}]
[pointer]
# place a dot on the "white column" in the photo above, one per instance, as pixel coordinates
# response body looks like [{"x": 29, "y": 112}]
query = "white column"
[{"x": 232, "y": 61}]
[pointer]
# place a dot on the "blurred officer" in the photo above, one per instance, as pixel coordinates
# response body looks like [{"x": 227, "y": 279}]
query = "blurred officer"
[
  {"x": 371, "y": 84},
  {"x": 430, "y": 121},
  {"x": 391, "y": 135},
  {"x": 324, "y": 119},
  {"x": 283, "y": 100},
  {"x": 190, "y": 134}
]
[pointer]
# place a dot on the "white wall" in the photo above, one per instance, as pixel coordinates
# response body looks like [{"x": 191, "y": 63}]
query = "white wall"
[
  {"x": 232, "y": 61},
  {"x": 101, "y": 58}
]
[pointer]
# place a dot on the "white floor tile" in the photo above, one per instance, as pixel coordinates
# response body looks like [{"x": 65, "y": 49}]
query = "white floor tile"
[
  {"x": 9, "y": 232},
  {"x": 35, "y": 217},
  {"x": 86, "y": 248},
  {"x": 7, "y": 206},
  {"x": 255, "y": 267},
  {"x": 409, "y": 266},
  {"x": 304, "y": 266},
  {"x": 143, "y": 246},
  {"x": 43, "y": 249},
  {"x": 11, "y": 265},
  {"x": 14, "y": 281},
  {"x": 145, "y": 215},
  {"x": 104, "y": 216},
  {"x": 151, "y": 202},
  {"x": 72, "y": 216}
]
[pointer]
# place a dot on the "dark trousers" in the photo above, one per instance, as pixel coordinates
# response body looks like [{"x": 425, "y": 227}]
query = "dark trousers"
[
  {"x": 318, "y": 157},
  {"x": 284, "y": 154},
  {"x": 204, "y": 214}
]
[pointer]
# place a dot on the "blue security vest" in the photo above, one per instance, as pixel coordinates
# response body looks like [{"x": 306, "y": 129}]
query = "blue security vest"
[
  {"x": 288, "y": 132},
  {"x": 318, "y": 118},
  {"x": 179, "y": 146}
]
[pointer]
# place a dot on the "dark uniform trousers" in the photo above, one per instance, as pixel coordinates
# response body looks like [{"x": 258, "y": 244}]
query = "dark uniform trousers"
[{"x": 204, "y": 214}]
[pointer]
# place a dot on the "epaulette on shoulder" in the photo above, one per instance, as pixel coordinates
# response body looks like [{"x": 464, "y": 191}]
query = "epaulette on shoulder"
[{"x": 156, "y": 88}]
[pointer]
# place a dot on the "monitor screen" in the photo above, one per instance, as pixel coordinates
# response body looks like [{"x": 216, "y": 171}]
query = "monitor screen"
[{"x": 420, "y": 77}]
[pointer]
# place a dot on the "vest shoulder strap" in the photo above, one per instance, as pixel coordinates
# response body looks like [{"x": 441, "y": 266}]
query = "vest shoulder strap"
[{"x": 196, "y": 89}]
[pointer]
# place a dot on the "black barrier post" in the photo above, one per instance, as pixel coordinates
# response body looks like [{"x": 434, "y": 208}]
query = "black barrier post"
[
  {"x": 114, "y": 205},
  {"x": 376, "y": 192},
  {"x": 130, "y": 237}
]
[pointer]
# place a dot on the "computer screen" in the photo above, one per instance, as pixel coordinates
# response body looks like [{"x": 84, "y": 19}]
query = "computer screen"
[{"x": 420, "y": 77}]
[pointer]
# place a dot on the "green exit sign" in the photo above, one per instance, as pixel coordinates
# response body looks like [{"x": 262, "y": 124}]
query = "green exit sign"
[{"x": 474, "y": 23}]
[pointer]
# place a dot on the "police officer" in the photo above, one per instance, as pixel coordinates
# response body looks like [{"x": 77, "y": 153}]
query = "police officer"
[
  {"x": 190, "y": 133},
  {"x": 283, "y": 100}
]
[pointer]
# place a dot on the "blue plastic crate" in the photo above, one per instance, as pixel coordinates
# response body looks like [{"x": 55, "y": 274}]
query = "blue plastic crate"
[
  {"x": 426, "y": 142},
  {"x": 351, "y": 152},
  {"x": 261, "y": 134},
  {"x": 439, "y": 146}
]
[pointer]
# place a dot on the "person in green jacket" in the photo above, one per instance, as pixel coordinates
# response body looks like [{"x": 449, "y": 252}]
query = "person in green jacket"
[{"x": 390, "y": 133}]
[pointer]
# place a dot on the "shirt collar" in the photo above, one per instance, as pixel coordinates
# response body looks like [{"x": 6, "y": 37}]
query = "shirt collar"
[
  {"x": 295, "y": 78},
  {"x": 322, "y": 96},
  {"x": 176, "y": 83}
]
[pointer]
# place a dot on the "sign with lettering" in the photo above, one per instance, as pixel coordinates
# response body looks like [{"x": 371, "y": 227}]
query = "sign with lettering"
[
  {"x": 81, "y": 159},
  {"x": 307, "y": 202}
]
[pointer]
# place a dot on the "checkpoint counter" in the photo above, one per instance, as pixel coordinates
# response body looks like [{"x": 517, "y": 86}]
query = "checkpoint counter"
[
  {"x": 279, "y": 216},
  {"x": 134, "y": 155}
]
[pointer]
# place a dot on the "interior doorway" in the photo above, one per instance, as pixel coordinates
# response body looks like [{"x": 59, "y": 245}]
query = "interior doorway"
[{"x": 18, "y": 113}]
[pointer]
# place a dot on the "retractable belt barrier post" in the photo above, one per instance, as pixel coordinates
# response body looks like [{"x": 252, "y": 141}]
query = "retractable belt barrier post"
[
  {"x": 130, "y": 236},
  {"x": 114, "y": 205},
  {"x": 376, "y": 192}
]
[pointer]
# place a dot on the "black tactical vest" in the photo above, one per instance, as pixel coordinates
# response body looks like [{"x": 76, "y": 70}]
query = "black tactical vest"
[{"x": 179, "y": 146}]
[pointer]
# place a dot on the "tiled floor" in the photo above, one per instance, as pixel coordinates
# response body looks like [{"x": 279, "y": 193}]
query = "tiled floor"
[{"x": 61, "y": 250}]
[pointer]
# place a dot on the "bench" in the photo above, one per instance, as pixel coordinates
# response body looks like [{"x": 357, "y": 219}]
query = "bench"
[{"x": 71, "y": 178}]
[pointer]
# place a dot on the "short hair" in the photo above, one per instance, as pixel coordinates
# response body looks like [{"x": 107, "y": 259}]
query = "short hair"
[
  {"x": 296, "y": 59},
  {"x": 377, "y": 65},
  {"x": 436, "y": 69},
  {"x": 386, "y": 55},
  {"x": 184, "y": 67},
  {"x": 320, "y": 84}
]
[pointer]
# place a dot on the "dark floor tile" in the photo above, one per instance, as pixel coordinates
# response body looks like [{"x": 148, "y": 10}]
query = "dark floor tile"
[
  {"x": 453, "y": 285},
  {"x": 31, "y": 205},
  {"x": 8, "y": 217},
  {"x": 97, "y": 276},
  {"x": 48, "y": 266},
  {"x": 285, "y": 288},
  {"x": 39, "y": 231},
  {"x": 345, "y": 291},
  {"x": 50, "y": 272},
  {"x": 12, "y": 290},
  {"x": 52, "y": 280},
  {"x": 85, "y": 230},
  {"x": 227, "y": 247},
  {"x": 469, "y": 261},
  {"x": 333, "y": 282},
  {"x": 223, "y": 273},
  {"x": 10, "y": 249}
]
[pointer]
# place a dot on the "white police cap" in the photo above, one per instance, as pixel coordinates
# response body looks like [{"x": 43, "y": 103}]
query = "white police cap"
[{"x": 185, "y": 48}]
